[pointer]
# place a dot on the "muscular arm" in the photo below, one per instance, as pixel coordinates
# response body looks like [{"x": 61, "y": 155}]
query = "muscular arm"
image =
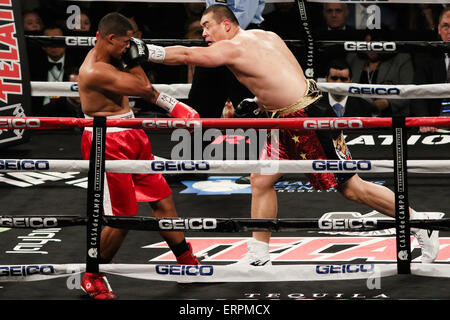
[
  {"x": 219, "y": 54},
  {"x": 132, "y": 83}
]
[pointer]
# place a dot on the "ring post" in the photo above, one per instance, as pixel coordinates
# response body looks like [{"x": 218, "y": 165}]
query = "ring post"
[
  {"x": 403, "y": 238},
  {"x": 96, "y": 179}
]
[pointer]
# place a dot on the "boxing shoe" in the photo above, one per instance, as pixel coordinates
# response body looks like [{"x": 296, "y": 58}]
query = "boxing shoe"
[
  {"x": 428, "y": 239},
  {"x": 97, "y": 287},
  {"x": 188, "y": 257},
  {"x": 257, "y": 254}
]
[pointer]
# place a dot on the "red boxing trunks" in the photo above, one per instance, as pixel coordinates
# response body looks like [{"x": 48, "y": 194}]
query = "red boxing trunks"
[
  {"x": 124, "y": 190},
  {"x": 303, "y": 144}
]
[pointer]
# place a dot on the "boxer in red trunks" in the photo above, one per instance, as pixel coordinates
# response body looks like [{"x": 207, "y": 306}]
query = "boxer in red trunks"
[
  {"x": 109, "y": 74},
  {"x": 263, "y": 63}
]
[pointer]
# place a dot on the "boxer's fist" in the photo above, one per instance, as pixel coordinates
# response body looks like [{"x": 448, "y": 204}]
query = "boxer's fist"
[
  {"x": 175, "y": 108},
  {"x": 136, "y": 54},
  {"x": 247, "y": 108}
]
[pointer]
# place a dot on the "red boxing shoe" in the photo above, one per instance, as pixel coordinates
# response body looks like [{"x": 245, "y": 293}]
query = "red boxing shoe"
[
  {"x": 97, "y": 287},
  {"x": 188, "y": 257}
]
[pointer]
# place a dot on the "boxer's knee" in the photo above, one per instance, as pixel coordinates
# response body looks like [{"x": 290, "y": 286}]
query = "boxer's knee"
[
  {"x": 163, "y": 208},
  {"x": 263, "y": 182}
]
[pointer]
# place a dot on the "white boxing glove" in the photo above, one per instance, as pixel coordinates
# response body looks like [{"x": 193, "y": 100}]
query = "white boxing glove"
[{"x": 156, "y": 53}]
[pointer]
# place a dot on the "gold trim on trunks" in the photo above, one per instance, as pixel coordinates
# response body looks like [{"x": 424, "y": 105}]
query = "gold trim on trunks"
[{"x": 312, "y": 94}]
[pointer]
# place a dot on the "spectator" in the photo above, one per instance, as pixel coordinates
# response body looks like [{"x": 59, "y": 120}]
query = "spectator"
[
  {"x": 433, "y": 68},
  {"x": 80, "y": 28},
  {"x": 212, "y": 87},
  {"x": 383, "y": 68},
  {"x": 335, "y": 27},
  {"x": 32, "y": 22},
  {"x": 345, "y": 106},
  {"x": 65, "y": 106},
  {"x": 85, "y": 23},
  {"x": 33, "y": 25},
  {"x": 50, "y": 66},
  {"x": 335, "y": 15}
]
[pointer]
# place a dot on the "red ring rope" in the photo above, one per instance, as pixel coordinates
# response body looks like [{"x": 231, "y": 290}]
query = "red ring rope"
[{"x": 174, "y": 123}]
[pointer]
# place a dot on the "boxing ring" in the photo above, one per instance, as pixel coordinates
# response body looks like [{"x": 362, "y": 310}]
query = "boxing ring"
[
  {"x": 97, "y": 166},
  {"x": 399, "y": 167}
]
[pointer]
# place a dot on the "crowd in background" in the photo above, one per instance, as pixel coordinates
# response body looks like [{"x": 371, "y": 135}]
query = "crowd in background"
[{"x": 328, "y": 21}]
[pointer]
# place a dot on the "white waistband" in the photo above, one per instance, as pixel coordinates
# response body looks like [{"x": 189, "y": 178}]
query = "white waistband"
[{"x": 128, "y": 115}]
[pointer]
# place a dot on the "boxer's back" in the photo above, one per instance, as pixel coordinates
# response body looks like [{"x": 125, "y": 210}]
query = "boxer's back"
[{"x": 268, "y": 68}]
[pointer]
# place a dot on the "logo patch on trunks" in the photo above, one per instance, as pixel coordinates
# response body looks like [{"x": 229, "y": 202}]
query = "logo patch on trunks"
[{"x": 341, "y": 148}]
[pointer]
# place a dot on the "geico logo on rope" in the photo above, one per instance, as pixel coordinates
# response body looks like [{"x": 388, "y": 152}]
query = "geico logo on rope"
[
  {"x": 178, "y": 270},
  {"x": 369, "y": 46},
  {"x": 20, "y": 123},
  {"x": 379, "y": 91},
  {"x": 332, "y": 124},
  {"x": 344, "y": 268},
  {"x": 74, "y": 87},
  {"x": 167, "y": 123},
  {"x": 172, "y": 165},
  {"x": 80, "y": 41},
  {"x": 344, "y": 165},
  {"x": 335, "y": 224},
  {"x": 22, "y": 271},
  {"x": 24, "y": 165},
  {"x": 192, "y": 224},
  {"x": 34, "y": 222}
]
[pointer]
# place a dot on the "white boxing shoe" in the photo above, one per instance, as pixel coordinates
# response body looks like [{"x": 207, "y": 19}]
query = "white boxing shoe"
[
  {"x": 257, "y": 255},
  {"x": 428, "y": 239}
]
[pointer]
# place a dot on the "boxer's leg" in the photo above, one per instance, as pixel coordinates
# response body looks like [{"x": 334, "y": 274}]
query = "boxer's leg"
[{"x": 165, "y": 208}]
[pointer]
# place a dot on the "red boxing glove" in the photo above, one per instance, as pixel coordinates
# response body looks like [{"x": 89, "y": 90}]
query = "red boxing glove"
[{"x": 175, "y": 108}]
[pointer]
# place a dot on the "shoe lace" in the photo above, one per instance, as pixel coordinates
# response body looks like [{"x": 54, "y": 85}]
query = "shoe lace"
[{"x": 420, "y": 239}]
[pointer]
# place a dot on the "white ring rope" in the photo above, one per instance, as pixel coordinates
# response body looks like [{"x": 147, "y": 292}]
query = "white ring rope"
[
  {"x": 227, "y": 273},
  {"x": 181, "y": 90},
  {"x": 70, "y": 89},
  {"x": 225, "y": 166}
]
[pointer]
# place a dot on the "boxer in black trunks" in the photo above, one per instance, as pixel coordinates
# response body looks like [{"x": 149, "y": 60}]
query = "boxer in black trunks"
[{"x": 262, "y": 62}]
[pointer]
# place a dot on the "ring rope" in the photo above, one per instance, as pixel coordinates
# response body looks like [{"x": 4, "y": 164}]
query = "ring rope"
[
  {"x": 181, "y": 90},
  {"x": 217, "y": 273},
  {"x": 9, "y": 123},
  {"x": 213, "y": 273},
  {"x": 224, "y": 166},
  {"x": 225, "y": 225},
  {"x": 349, "y": 45}
]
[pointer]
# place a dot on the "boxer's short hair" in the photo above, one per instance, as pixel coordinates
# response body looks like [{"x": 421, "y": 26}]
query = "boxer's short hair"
[
  {"x": 221, "y": 12},
  {"x": 115, "y": 23}
]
